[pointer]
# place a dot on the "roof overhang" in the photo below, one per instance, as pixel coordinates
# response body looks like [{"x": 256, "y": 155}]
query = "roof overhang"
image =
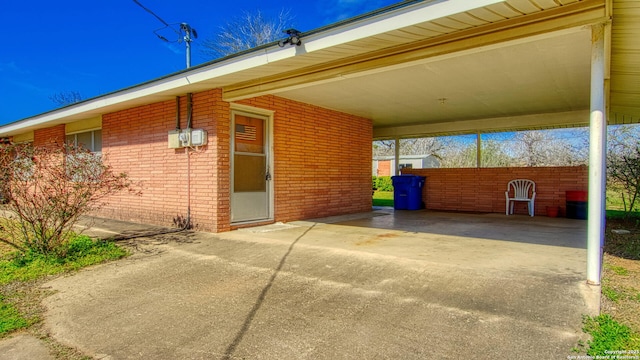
[{"x": 422, "y": 67}]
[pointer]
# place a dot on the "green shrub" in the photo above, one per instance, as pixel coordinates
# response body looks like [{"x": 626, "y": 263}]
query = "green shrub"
[{"x": 382, "y": 183}]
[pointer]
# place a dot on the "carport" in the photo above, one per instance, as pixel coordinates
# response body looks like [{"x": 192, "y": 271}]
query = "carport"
[
  {"x": 430, "y": 68},
  {"x": 417, "y": 68}
]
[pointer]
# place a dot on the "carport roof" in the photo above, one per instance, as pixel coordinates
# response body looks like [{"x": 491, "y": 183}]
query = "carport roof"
[{"x": 423, "y": 67}]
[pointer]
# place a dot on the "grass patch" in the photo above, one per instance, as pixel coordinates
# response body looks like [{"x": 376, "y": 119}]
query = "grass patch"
[
  {"x": 610, "y": 293},
  {"x": 10, "y": 317},
  {"x": 618, "y": 325},
  {"x": 626, "y": 245},
  {"x": 613, "y": 214},
  {"x": 23, "y": 268},
  {"x": 383, "y": 198},
  {"x": 608, "y": 335},
  {"x": 618, "y": 270},
  {"x": 614, "y": 201},
  {"x": 81, "y": 251},
  {"x": 618, "y": 292}
]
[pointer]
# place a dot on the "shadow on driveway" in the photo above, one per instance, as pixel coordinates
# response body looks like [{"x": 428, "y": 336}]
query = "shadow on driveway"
[
  {"x": 331, "y": 289},
  {"x": 247, "y": 322}
]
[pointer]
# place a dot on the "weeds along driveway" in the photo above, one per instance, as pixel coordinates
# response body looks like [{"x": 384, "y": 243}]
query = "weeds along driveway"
[{"x": 346, "y": 290}]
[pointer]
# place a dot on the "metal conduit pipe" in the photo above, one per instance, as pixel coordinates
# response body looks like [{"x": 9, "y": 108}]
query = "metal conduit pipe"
[
  {"x": 177, "y": 112},
  {"x": 187, "y": 224},
  {"x": 189, "y": 109}
]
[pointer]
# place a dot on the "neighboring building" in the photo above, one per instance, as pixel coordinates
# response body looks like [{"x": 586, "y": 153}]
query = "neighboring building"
[
  {"x": 281, "y": 134},
  {"x": 385, "y": 165}
]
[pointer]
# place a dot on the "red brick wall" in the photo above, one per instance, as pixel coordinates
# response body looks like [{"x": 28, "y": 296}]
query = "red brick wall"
[
  {"x": 482, "y": 190},
  {"x": 135, "y": 141},
  {"x": 220, "y": 137},
  {"x": 322, "y": 162},
  {"x": 54, "y": 134},
  {"x": 384, "y": 167}
]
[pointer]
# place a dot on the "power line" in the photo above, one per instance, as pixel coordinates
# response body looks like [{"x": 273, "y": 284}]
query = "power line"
[
  {"x": 156, "y": 16},
  {"x": 188, "y": 32}
]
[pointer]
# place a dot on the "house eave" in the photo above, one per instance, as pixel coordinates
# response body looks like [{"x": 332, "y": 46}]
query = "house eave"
[{"x": 270, "y": 59}]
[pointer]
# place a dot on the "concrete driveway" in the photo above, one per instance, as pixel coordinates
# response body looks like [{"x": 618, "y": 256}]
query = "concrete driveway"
[{"x": 403, "y": 285}]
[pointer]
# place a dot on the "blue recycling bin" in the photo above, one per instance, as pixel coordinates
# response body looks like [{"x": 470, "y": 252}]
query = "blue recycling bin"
[{"x": 407, "y": 192}]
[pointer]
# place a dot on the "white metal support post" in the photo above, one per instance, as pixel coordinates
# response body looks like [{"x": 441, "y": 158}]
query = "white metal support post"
[
  {"x": 396, "y": 171},
  {"x": 478, "y": 150},
  {"x": 597, "y": 157}
]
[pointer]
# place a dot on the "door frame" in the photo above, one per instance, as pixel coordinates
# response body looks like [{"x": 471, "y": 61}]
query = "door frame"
[{"x": 247, "y": 110}]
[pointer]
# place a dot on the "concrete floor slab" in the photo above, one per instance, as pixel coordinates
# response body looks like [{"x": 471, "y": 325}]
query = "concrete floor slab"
[
  {"x": 24, "y": 347},
  {"x": 385, "y": 284}
]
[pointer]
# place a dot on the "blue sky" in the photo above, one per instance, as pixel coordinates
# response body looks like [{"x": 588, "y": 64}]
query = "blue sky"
[{"x": 99, "y": 46}]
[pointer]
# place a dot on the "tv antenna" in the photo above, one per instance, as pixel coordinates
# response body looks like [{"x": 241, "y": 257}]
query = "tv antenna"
[{"x": 185, "y": 32}]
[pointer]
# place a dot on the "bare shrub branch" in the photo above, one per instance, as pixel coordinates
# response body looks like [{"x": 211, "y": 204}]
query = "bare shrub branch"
[{"x": 48, "y": 188}]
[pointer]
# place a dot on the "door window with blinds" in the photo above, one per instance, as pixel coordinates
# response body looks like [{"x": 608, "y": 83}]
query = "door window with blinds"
[{"x": 250, "y": 160}]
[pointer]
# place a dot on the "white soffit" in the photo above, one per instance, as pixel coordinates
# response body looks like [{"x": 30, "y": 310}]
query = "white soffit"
[
  {"x": 405, "y": 17},
  {"x": 541, "y": 74},
  {"x": 625, "y": 63}
]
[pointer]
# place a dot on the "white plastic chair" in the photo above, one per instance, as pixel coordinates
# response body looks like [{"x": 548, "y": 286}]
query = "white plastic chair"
[{"x": 521, "y": 190}]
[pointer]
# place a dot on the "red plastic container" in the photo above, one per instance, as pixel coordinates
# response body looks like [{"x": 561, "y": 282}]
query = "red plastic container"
[
  {"x": 577, "y": 206},
  {"x": 576, "y": 195}
]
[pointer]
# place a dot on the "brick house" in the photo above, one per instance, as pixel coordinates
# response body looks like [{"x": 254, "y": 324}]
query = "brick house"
[
  {"x": 197, "y": 178},
  {"x": 417, "y": 68},
  {"x": 386, "y": 165}
]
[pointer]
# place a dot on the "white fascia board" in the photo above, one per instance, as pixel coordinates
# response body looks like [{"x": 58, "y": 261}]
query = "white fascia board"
[
  {"x": 183, "y": 79},
  {"x": 91, "y": 106},
  {"x": 237, "y": 64},
  {"x": 393, "y": 20}
]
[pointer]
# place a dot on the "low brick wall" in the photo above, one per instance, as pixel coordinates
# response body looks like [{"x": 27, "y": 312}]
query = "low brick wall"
[{"x": 482, "y": 189}]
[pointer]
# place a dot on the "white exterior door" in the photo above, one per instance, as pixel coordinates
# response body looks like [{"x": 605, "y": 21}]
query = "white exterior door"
[{"x": 251, "y": 184}]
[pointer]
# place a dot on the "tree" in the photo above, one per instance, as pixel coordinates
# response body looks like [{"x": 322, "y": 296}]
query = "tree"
[
  {"x": 47, "y": 189},
  {"x": 64, "y": 98},
  {"x": 421, "y": 146},
  {"x": 623, "y": 164},
  {"x": 383, "y": 148},
  {"x": 622, "y": 139},
  {"x": 493, "y": 155},
  {"x": 542, "y": 148},
  {"x": 246, "y": 32},
  {"x": 563, "y": 147},
  {"x": 417, "y": 146},
  {"x": 623, "y": 172},
  {"x": 459, "y": 155}
]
